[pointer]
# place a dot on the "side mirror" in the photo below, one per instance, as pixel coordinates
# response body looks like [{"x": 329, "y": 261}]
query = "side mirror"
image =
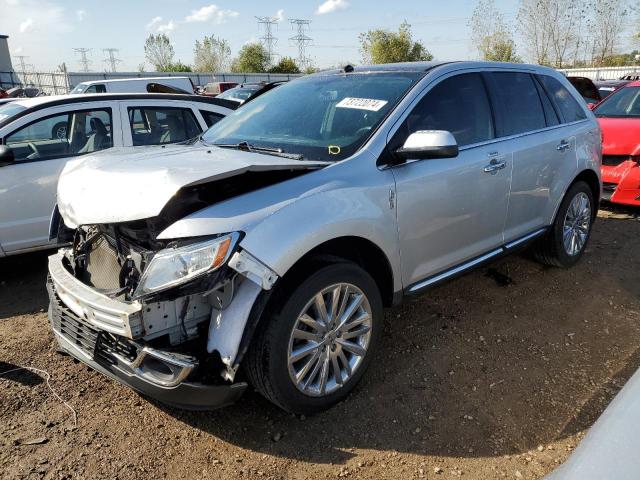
[
  {"x": 425, "y": 144},
  {"x": 591, "y": 106},
  {"x": 6, "y": 156}
]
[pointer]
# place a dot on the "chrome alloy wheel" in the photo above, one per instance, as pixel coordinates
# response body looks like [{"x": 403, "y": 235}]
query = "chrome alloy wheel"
[
  {"x": 577, "y": 223},
  {"x": 329, "y": 339}
]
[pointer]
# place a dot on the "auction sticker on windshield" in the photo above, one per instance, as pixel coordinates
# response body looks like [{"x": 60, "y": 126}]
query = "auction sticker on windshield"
[{"x": 362, "y": 103}]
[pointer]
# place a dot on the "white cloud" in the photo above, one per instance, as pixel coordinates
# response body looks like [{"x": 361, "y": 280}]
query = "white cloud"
[
  {"x": 211, "y": 13},
  {"x": 332, "y": 6},
  {"x": 26, "y": 26},
  {"x": 167, "y": 27},
  {"x": 81, "y": 14},
  {"x": 17, "y": 51},
  {"x": 279, "y": 15},
  {"x": 154, "y": 23}
]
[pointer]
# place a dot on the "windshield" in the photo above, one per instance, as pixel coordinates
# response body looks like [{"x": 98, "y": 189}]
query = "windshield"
[
  {"x": 79, "y": 88},
  {"x": 322, "y": 117},
  {"x": 9, "y": 110},
  {"x": 239, "y": 93},
  {"x": 624, "y": 102}
]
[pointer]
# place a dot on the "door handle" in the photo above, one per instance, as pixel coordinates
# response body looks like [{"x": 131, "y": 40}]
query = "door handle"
[
  {"x": 494, "y": 166},
  {"x": 563, "y": 146}
]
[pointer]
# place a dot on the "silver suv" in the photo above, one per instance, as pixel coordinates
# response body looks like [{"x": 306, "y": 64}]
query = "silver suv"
[{"x": 267, "y": 248}]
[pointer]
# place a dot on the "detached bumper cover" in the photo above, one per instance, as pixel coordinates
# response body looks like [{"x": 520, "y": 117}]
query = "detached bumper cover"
[
  {"x": 621, "y": 183},
  {"x": 123, "y": 360}
]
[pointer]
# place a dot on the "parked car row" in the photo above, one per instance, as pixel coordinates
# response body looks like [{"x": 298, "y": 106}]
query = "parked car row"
[{"x": 266, "y": 248}]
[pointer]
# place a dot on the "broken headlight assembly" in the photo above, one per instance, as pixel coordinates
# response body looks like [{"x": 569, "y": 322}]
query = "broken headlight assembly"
[{"x": 174, "y": 266}]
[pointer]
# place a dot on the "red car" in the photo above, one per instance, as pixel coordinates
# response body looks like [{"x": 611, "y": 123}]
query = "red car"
[{"x": 619, "y": 118}]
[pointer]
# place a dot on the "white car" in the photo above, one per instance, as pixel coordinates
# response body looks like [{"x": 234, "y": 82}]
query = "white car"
[
  {"x": 39, "y": 135},
  {"x": 137, "y": 85}
]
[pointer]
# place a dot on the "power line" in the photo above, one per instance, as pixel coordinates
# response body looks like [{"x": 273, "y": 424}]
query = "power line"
[
  {"x": 21, "y": 60},
  {"x": 84, "y": 61},
  {"x": 268, "y": 40},
  {"x": 111, "y": 59},
  {"x": 302, "y": 40}
]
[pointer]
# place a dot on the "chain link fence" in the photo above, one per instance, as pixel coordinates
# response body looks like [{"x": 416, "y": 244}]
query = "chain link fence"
[{"x": 58, "y": 83}]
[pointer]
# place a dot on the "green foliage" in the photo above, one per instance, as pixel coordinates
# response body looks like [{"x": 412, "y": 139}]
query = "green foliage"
[
  {"x": 383, "y": 46},
  {"x": 620, "y": 60},
  {"x": 211, "y": 55},
  {"x": 499, "y": 48},
  {"x": 177, "y": 67},
  {"x": 490, "y": 34},
  {"x": 159, "y": 51},
  {"x": 253, "y": 58},
  {"x": 285, "y": 65},
  {"x": 309, "y": 70}
]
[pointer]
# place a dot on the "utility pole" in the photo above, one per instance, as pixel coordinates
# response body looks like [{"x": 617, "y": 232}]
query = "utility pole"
[
  {"x": 111, "y": 59},
  {"x": 268, "y": 40},
  {"x": 84, "y": 61},
  {"x": 302, "y": 40}
]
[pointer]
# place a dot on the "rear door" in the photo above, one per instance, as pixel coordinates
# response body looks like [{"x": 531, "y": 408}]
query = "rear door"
[{"x": 42, "y": 143}]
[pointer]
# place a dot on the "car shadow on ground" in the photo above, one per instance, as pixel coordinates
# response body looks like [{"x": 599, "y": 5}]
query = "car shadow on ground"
[
  {"x": 22, "y": 284},
  {"x": 14, "y": 373},
  {"x": 477, "y": 367}
]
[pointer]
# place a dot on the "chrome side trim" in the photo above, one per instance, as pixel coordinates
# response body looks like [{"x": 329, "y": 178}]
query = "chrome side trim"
[
  {"x": 454, "y": 271},
  {"x": 525, "y": 238}
]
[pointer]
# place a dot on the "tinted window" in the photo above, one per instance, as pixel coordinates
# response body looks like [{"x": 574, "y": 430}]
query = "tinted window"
[
  {"x": 550, "y": 113},
  {"x": 155, "y": 126},
  {"x": 64, "y": 135},
  {"x": 211, "y": 118},
  {"x": 516, "y": 99},
  {"x": 458, "y": 104},
  {"x": 159, "y": 88},
  {"x": 569, "y": 108}
]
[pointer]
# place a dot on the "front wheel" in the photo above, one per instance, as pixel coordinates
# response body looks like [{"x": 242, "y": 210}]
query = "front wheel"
[
  {"x": 567, "y": 238},
  {"x": 318, "y": 341}
]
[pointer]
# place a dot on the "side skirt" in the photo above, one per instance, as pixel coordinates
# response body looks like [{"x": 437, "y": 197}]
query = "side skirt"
[{"x": 469, "y": 265}]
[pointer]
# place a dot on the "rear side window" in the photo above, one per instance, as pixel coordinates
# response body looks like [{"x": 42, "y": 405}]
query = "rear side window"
[
  {"x": 569, "y": 108},
  {"x": 160, "y": 125},
  {"x": 211, "y": 118},
  {"x": 516, "y": 98},
  {"x": 99, "y": 88},
  {"x": 549, "y": 111},
  {"x": 458, "y": 104}
]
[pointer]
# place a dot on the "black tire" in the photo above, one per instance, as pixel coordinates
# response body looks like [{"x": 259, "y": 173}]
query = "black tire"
[
  {"x": 266, "y": 362},
  {"x": 550, "y": 249},
  {"x": 57, "y": 128}
]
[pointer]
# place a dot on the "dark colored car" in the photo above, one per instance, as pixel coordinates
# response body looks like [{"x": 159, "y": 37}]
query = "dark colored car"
[
  {"x": 248, "y": 91},
  {"x": 587, "y": 89}
]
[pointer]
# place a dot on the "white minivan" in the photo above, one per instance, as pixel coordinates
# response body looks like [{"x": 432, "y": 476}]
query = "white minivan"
[
  {"x": 137, "y": 85},
  {"x": 39, "y": 135}
]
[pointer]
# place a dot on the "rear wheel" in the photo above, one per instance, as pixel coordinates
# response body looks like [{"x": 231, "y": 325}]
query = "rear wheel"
[
  {"x": 318, "y": 341},
  {"x": 565, "y": 242}
]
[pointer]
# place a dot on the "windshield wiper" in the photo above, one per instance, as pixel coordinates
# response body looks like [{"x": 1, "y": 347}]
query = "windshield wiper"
[{"x": 247, "y": 147}]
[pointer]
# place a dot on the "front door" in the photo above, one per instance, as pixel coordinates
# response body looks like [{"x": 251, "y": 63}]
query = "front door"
[
  {"x": 41, "y": 148},
  {"x": 451, "y": 210}
]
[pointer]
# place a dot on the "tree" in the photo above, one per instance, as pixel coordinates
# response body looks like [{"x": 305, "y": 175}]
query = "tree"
[
  {"x": 552, "y": 29},
  {"x": 212, "y": 55},
  {"x": 159, "y": 51},
  {"x": 490, "y": 34},
  {"x": 253, "y": 58},
  {"x": 383, "y": 46},
  {"x": 285, "y": 65},
  {"x": 606, "y": 27},
  {"x": 177, "y": 67}
]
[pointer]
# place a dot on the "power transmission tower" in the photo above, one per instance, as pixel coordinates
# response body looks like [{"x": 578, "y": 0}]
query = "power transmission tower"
[
  {"x": 268, "y": 40},
  {"x": 84, "y": 61},
  {"x": 111, "y": 59},
  {"x": 21, "y": 60},
  {"x": 302, "y": 40}
]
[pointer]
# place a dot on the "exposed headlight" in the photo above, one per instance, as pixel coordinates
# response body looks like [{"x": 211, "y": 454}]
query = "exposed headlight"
[{"x": 173, "y": 266}]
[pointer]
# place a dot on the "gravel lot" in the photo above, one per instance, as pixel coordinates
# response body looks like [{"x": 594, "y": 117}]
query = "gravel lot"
[{"x": 494, "y": 375}]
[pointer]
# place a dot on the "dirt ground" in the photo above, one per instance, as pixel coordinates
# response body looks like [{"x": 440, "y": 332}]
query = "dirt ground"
[{"x": 495, "y": 375}]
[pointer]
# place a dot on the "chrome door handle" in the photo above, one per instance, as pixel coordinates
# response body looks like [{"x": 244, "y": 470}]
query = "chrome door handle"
[
  {"x": 494, "y": 166},
  {"x": 563, "y": 146}
]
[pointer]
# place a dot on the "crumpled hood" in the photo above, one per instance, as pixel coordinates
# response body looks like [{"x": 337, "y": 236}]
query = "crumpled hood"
[
  {"x": 134, "y": 183},
  {"x": 621, "y": 136}
]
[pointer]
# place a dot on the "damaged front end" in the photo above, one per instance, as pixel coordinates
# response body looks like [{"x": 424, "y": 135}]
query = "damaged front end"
[{"x": 167, "y": 318}]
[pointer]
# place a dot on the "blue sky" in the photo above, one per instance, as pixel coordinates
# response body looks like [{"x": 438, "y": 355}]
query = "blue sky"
[{"x": 47, "y": 30}]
